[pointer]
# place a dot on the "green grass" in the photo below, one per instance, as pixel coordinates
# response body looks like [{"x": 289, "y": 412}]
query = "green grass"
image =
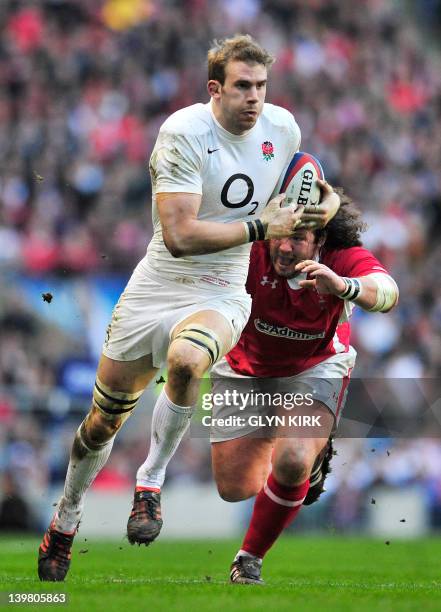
[{"x": 302, "y": 573}]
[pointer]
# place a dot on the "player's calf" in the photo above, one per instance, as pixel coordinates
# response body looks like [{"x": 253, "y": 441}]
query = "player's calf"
[
  {"x": 319, "y": 472},
  {"x": 241, "y": 466}
]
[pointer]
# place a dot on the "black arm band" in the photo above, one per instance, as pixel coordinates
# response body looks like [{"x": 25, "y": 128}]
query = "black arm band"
[
  {"x": 260, "y": 229},
  {"x": 256, "y": 230},
  {"x": 352, "y": 289},
  {"x": 251, "y": 231}
]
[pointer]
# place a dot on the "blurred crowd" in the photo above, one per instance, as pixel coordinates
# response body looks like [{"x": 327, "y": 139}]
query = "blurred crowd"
[{"x": 84, "y": 87}]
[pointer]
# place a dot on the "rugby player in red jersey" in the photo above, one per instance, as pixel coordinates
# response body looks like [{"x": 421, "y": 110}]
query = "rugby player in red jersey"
[{"x": 297, "y": 339}]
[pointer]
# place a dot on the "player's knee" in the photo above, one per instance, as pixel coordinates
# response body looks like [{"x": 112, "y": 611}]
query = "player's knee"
[
  {"x": 292, "y": 465},
  {"x": 197, "y": 344},
  {"x": 109, "y": 411},
  {"x": 183, "y": 369},
  {"x": 99, "y": 428},
  {"x": 235, "y": 490}
]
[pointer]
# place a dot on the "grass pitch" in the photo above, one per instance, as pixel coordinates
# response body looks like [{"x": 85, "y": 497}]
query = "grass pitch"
[{"x": 301, "y": 573}]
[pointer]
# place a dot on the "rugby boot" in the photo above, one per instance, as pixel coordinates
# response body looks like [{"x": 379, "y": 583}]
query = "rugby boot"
[
  {"x": 54, "y": 554},
  {"x": 145, "y": 520},
  {"x": 246, "y": 570},
  {"x": 320, "y": 470}
]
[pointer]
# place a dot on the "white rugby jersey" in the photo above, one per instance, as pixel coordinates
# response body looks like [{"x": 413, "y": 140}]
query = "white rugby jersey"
[{"x": 235, "y": 175}]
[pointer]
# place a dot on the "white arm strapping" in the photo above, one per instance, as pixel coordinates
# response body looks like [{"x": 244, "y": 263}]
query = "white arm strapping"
[{"x": 387, "y": 292}]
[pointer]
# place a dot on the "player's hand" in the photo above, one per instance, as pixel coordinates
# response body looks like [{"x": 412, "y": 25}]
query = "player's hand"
[
  {"x": 316, "y": 217},
  {"x": 323, "y": 279},
  {"x": 280, "y": 222}
]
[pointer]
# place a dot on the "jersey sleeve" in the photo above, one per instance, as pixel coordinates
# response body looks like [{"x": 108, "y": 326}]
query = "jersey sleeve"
[
  {"x": 356, "y": 261},
  {"x": 176, "y": 163},
  {"x": 293, "y": 145},
  {"x": 296, "y": 138}
]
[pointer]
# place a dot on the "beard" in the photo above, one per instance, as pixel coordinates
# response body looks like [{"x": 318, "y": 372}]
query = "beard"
[{"x": 285, "y": 266}]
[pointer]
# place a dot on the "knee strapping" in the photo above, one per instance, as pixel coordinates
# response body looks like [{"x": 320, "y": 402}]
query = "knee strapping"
[
  {"x": 114, "y": 403},
  {"x": 203, "y": 338}
]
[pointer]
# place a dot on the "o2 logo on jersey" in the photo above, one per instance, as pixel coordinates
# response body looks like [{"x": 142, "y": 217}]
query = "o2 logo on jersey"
[{"x": 248, "y": 197}]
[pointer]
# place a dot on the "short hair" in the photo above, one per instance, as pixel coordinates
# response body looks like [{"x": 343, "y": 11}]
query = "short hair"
[{"x": 242, "y": 48}]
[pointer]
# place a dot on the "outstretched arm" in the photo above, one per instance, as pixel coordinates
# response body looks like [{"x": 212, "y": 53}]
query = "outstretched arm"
[{"x": 376, "y": 292}]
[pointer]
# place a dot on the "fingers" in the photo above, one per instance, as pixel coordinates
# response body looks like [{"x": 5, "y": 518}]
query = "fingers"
[
  {"x": 311, "y": 271},
  {"x": 307, "y": 284},
  {"x": 281, "y": 222},
  {"x": 298, "y": 211},
  {"x": 313, "y": 268},
  {"x": 297, "y": 218},
  {"x": 276, "y": 202},
  {"x": 325, "y": 187},
  {"x": 312, "y": 212},
  {"x": 308, "y": 224},
  {"x": 306, "y": 263}
]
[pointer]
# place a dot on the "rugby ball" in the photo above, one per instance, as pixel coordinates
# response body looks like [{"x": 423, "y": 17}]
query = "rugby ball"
[{"x": 299, "y": 180}]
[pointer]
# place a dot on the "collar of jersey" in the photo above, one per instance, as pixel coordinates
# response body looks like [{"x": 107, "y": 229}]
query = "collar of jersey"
[
  {"x": 225, "y": 133},
  {"x": 294, "y": 282}
]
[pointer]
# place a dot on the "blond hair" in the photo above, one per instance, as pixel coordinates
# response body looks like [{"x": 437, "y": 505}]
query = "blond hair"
[{"x": 242, "y": 48}]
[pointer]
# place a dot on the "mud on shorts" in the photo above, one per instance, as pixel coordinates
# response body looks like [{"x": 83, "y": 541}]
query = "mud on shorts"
[
  {"x": 150, "y": 307},
  {"x": 326, "y": 382}
]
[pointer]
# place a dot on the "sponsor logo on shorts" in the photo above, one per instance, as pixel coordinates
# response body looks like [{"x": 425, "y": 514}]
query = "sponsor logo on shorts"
[{"x": 284, "y": 332}]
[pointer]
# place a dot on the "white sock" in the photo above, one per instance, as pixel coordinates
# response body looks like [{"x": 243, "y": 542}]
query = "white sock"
[
  {"x": 84, "y": 465},
  {"x": 169, "y": 424},
  {"x": 244, "y": 553}
]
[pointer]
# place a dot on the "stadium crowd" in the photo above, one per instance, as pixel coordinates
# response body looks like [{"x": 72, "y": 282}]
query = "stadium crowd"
[{"x": 84, "y": 89}]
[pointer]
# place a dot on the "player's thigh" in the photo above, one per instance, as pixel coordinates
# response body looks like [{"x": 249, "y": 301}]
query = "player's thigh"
[
  {"x": 197, "y": 342},
  {"x": 211, "y": 322},
  {"x": 296, "y": 447},
  {"x": 241, "y": 466},
  {"x": 126, "y": 376},
  {"x": 211, "y": 328},
  {"x": 311, "y": 423}
]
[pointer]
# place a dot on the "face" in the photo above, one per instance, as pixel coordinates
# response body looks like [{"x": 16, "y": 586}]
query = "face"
[
  {"x": 286, "y": 253},
  {"x": 239, "y": 101}
]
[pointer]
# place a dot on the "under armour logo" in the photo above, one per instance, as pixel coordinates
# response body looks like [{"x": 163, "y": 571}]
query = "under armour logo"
[{"x": 265, "y": 281}]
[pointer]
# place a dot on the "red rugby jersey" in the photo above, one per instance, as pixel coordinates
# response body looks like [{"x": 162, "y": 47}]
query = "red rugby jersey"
[{"x": 291, "y": 329}]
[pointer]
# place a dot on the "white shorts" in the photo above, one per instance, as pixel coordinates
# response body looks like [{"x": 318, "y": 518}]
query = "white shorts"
[
  {"x": 326, "y": 382},
  {"x": 150, "y": 307}
]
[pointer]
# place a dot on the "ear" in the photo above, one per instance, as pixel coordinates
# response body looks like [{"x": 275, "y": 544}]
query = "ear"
[{"x": 214, "y": 88}]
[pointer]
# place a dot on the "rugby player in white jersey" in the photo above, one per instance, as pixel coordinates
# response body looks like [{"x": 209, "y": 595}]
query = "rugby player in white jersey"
[{"x": 214, "y": 169}]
